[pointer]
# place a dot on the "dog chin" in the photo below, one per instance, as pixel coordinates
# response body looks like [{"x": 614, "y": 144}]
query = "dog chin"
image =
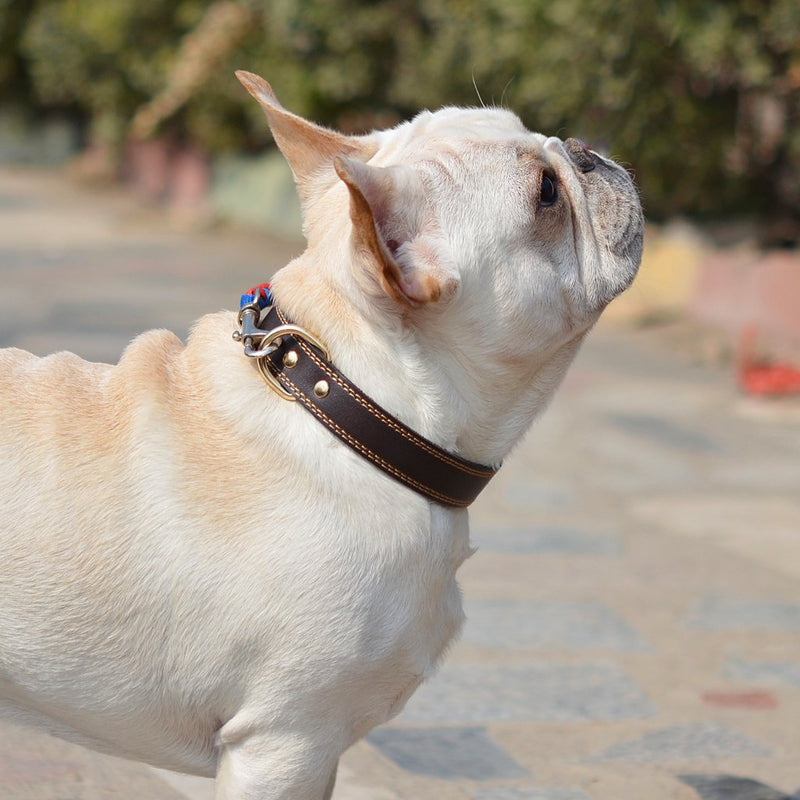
[{"x": 626, "y": 267}]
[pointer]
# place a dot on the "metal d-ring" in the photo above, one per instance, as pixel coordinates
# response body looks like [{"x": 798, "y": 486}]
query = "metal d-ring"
[{"x": 268, "y": 345}]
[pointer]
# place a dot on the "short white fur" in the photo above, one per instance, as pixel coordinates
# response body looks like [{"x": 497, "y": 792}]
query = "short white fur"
[{"x": 196, "y": 573}]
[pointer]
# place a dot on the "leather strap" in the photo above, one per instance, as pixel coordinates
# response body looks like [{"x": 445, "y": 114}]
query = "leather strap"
[{"x": 366, "y": 427}]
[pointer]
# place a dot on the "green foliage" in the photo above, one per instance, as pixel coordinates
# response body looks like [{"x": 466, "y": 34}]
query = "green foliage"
[
  {"x": 14, "y": 83},
  {"x": 105, "y": 57},
  {"x": 701, "y": 97}
]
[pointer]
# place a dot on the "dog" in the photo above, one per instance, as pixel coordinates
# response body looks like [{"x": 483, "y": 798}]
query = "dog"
[{"x": 196, "y": 573}]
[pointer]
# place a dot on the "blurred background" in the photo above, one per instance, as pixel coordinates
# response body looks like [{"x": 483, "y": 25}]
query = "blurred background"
[
  {"x": 633, "y": 611},
  {"x": 701, "y": 98}
]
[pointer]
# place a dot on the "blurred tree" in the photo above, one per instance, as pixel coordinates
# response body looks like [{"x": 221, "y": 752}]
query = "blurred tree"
[
  {"x": 747, "y": 56},
  {"x": 108, "y": 57},
  {"x": 15, "y": 85},
  {"x": 702, "y": 96},
  {"x": 220, "y": 29}
]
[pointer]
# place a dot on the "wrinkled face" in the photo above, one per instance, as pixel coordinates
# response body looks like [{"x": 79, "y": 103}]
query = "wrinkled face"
[
  {"x": 472, "y": 250},
  {"x": 605, "y": 215},
  {"x": 543, "y": 232},
  {"x": 465, "y": 214},
  {"x": 468, "y": 247}
]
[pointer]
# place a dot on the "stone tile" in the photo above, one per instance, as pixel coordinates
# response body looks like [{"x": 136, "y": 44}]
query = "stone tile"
[
  {"x": 715, "y": 612},
  {"x": 543, "y": 541},
  {"x": 752, "y": 700},
  {"x": 729, "y": 520},
  {"x": 527, "y": 496},
  {"x": 526, "y": 625},
  {"x": 631, "y": 466},
  {"x": 448, "y": 753},
  {"x": 775, "y": 473},
  {"x": 9, "y": 202},
  {"x": 732, "y": 787},
  {"x": 541, "y": 691},
  {"x": 663, "y": 431},
  {"x": 37, "y": 766},
  {"x": 527, "y": 793},
  {"x": 771, "y": 672},
  {"x": 190, "y": 787},
  {"x": 685, "y": 743}
]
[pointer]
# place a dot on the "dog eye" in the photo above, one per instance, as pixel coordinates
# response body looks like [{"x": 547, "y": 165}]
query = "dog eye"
[{"x": 548, "y": 191}]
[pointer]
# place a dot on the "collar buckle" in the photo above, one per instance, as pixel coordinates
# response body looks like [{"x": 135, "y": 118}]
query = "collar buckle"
[
  {"x": 259, "y": 343},
  {"x": 296, "y": 365}
]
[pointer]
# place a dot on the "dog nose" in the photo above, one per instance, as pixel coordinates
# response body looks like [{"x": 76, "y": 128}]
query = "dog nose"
[{"x": 580, "y": 155}]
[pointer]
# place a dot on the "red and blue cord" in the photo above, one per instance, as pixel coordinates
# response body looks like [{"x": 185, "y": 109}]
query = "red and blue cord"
[{"x": 260, "y": 295}]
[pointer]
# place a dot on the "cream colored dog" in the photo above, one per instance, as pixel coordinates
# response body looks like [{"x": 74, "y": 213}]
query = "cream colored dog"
[{"x": 197, "y": 574}]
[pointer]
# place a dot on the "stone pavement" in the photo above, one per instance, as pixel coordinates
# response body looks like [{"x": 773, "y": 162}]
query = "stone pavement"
[{"x": 634, "y": 604}]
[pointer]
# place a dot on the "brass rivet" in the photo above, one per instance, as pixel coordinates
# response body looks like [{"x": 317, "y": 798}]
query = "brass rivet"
[
  {"x": 290, "y": 359},
  {"x": 321, "y": 388}
]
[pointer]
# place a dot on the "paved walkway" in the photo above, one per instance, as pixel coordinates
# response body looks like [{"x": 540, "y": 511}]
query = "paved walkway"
[{"x": 634, "y": 606}]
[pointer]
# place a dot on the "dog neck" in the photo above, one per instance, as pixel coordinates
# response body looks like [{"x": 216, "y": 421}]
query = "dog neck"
[{"x": 439, "y": 382}]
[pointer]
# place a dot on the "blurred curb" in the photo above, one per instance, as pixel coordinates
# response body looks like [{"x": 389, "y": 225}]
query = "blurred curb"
[
  {"x": 257, "y": 192},
  {"x": 663, "y": 289},
  {"x": 745, "y": 288},
  {"x": 731, "y": 289}
]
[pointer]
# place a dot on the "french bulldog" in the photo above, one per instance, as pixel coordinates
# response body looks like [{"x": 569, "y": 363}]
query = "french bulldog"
[{"x": 196, "y": 573}]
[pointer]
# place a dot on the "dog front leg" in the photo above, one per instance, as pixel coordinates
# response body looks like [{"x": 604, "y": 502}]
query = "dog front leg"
[{"x": 262, "y": 767}]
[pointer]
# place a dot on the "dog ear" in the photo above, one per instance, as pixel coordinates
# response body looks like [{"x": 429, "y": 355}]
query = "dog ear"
[
  {"x": 392, "y": 223},
  {"x": 307, "y": 147}
]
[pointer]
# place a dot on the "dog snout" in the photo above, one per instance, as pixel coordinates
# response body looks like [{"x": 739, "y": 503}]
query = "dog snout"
[
  {"x": 580, "y": 155},
  {"x": 582, "y": 158}
]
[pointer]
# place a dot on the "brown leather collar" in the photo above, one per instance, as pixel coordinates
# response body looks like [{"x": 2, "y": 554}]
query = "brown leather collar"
[{"x": 304, "y": 372}]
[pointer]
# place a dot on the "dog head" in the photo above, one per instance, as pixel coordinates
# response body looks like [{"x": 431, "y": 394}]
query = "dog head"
[{"x": 496, "y": 246}]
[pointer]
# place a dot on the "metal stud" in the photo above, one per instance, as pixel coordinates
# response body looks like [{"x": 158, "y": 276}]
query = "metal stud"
[
  {"x": 321, "y": 388},
  {"x": 290, "y": 359}
]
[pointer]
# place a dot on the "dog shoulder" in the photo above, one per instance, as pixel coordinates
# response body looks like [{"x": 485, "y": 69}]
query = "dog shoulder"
[
  {"x": 65, "y": 394},
  {"x": 29, "y": 382},
  {"x": 150, "y": 360},
  {"x": 147, "y": 355}
]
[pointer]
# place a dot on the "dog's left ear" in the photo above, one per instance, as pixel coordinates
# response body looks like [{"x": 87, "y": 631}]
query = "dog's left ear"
[
  {"x": 392, "y": 223},
  {"x": 308, "y": 148}
]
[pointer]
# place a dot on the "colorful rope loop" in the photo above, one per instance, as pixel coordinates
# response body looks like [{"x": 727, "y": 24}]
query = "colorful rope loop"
[{"x": 260, "y": 295}]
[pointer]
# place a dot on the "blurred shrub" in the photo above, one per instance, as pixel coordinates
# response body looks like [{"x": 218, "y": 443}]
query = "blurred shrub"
[
  {"x": 106, "y": 57},
  {"x": 14, "y": 84},
  {"x": 702, "y": 97}
]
